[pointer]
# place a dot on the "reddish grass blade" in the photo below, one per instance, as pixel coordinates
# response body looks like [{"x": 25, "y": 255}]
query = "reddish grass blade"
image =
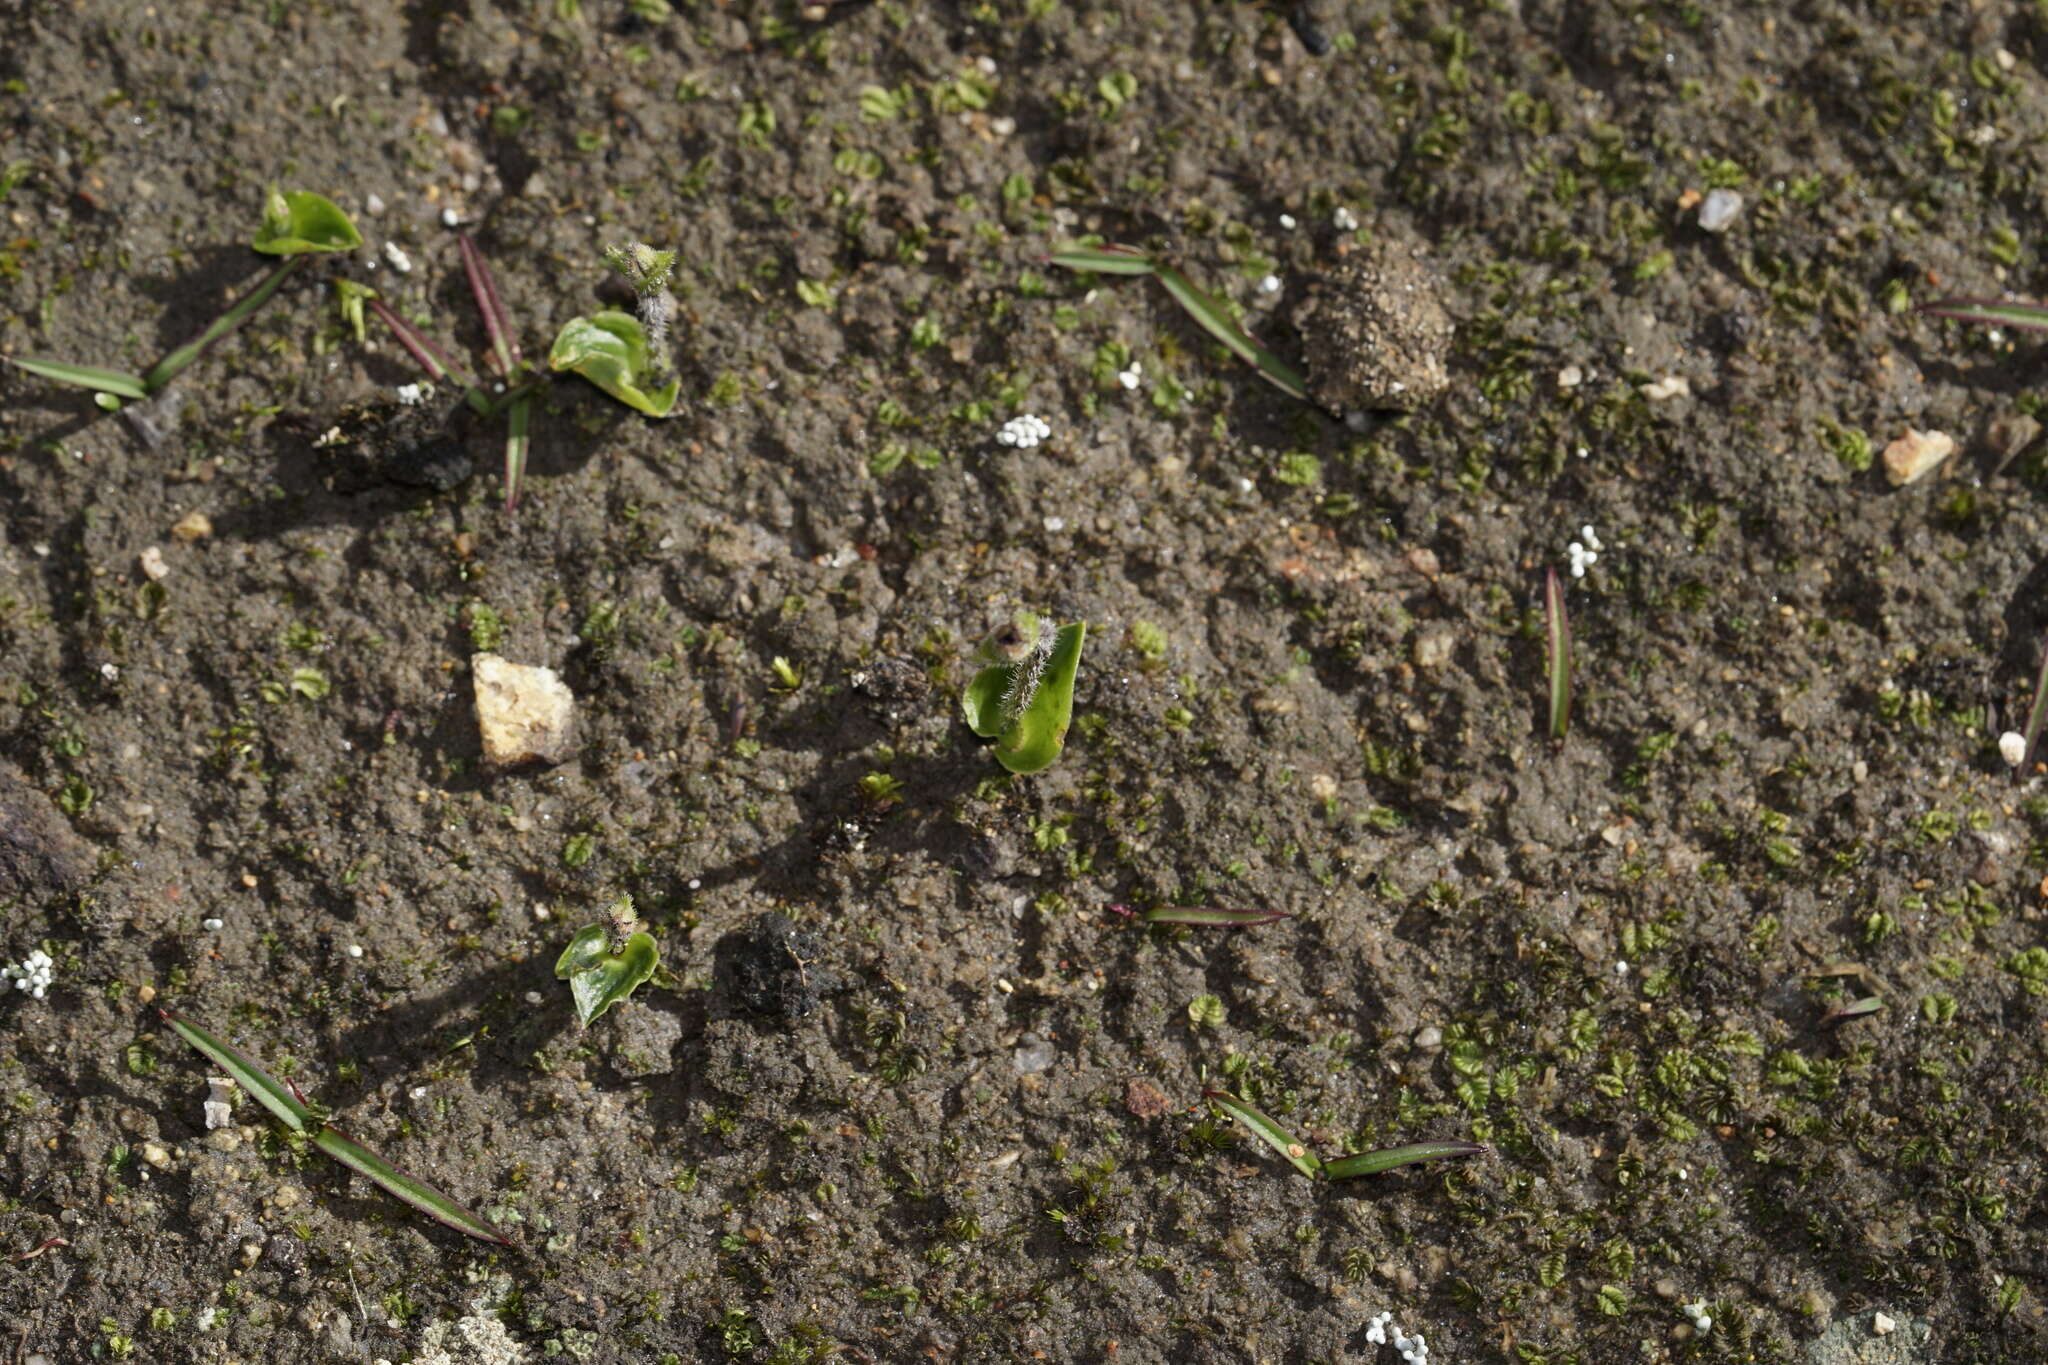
[
  {"x": 482, "y": 284},
  {"x": 253, "y": 1079}
]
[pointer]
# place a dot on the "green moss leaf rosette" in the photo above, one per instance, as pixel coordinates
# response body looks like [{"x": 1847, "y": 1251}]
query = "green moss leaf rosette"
[
  {"x": 296, "y": 222},
  {"x": 600, "y": 978},
  {"x": 1025, "y": 705},
  {"x": 610, "y": 350}
]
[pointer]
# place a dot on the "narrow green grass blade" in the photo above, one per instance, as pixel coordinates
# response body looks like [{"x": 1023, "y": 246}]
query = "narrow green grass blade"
[
  {"x": 267, "y": 1089},
  {"x": 1274, "y": 1136},
  {"x": 1991, "y": 312},
  {"x": 1209, "y": 914},
  {"x": 1217, "y": 322},
  {"x": 1558, "y": 653},
  {"x": 1104, "y": 260},
  {"x": 405, "y": 1188},
  {"x": 1861, "y": 1008},
  {"x": 1387, "y": 1158},
  {"x": 516, "y": 419},
  {"x": 174, "y": 364},
  {"x": 2037, "y": 715},
  {"x": 86, "y": 377}
]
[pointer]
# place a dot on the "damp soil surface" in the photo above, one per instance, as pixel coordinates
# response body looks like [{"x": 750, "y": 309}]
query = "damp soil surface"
[{"x": 907, "y": 1087}]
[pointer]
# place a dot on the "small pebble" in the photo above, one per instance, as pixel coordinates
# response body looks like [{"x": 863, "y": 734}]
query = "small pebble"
[
  {"x": 1270, "y": 285},
  {"x": 1883, "y": 1325},
  {"x": 153, "y": 564},
  {"x": 1915, "y": 455},
  {"x": 2012, "y": 747},
  {"x": 1344, "y": 219},
  {"x": 211, "y": 926},
  {"x": 1719, "y": 209},
  {"x": 355, "y": 950},
  {"x": 395, "y": 254},
  {"x": 1287, "y": 221},
  {"x": 1670, "y": 386}
]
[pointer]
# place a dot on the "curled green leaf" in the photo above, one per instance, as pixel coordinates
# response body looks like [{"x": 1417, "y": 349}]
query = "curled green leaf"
[
  {"x": 610, "y": 350},
  {"x": 296, "y": 222},
  {"x": 600, "y": 974}
]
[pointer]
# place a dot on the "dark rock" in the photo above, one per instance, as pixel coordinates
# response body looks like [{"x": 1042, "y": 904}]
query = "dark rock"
[
  {"x": 39, "y": 853},
  {"x": 373, "y": 444},
  {"x": 286, "y": 1253},
  {"x": 773, "y": 969},
  {"x": 891, "y": 683}
]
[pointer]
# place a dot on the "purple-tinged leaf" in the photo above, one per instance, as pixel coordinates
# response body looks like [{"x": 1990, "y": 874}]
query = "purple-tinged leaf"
[
  {"x": 1991, "y": 312},
  {"x": 488, "y": 302},
  {"x": 405, "y": 1188},
  {"x": 1270, "y": 1132},
  {"x": 1209, "y": 914},
  {"x": 1557, "y": 653},
  {"x": 260, "y": 1083}
]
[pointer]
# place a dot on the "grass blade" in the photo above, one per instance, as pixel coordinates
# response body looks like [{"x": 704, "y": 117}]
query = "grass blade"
[
  {"x": 1861, "y": 1008},
  {"x": 2037, "y": 714},
  {"x": 482, "y": 284},
  {"x": 174, "y": 364},
  {"x": 1387, "y": 1158},
  {"x": 1218, "y": 323},
  {"x": 405, "y": 1188},
  {"x": 1274, "y": 1136},
  {"x": 515, "y": 450},
  {"x": 86, "y": 377},
  {"x": 251, "y": 1077},
  {"x": 1557, "y": 653},
  {"x": 1991, "y": 312},
  {"x": 1210, "y": 914},
  {"x": 430, "y": 357},
  {"x": 1105, "y": 260}
]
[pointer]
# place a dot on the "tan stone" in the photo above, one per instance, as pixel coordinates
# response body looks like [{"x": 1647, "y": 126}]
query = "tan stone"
[
  {"x": 526, "y": 713},
  {"x": 1916, "y": 455}
]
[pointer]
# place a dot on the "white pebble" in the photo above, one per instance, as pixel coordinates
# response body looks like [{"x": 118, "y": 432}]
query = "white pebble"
[
  {"x": 395, "y": 254},
  {"x": 412, "y": 395},
  {"x": 1883, "y": 1325},
  {"x": 1270, "y": 285},
  {"x": 1287, "y": 221},
  {"x": 211, "y": 926},
  {"x": 1345, "y": 219},
  {"x": 153, "y": 565},
  {"x": 1718, "y": 210},
  {"x": 1132, "y": 377},
  {"x": 2012, "y": 747},
  {"x": 373, "y": 205},
  {"x": 450, "y": 218},
  {"x": 355, "y": 950},
  {"x": 1670, "y": 386},
  {"x": 1055, "y": 524},
  {"x": 111, "y": 672}
]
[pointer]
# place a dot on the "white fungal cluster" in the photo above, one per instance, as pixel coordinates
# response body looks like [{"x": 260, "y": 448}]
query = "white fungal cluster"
[
  {"x": 1583, "y": 552},
  {"x": 32, "y": 974},
  {"x": 1702, "y": 1321},
  {"x": 1384, "y": 1331},
  {"x": 1024, "y": 432}
]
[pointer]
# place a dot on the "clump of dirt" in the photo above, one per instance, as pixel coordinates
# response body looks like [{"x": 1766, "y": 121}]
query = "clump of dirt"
[
  {"x": 1376, "y": 332},
  {"x": 772, "y": 968},
  {"x": 39, "y": 854}
]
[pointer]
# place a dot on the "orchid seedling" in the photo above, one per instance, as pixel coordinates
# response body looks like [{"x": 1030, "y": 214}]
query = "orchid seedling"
[
  {"x": 605, "y": 963},
  {"x": 626, "y": 355},
  {"x": 1205, "y": 308},
  {"x": 1349, "y": 1167},
  {"x": 309, "y": 1121},
  {"x": 296, "y": 224},
  {"x": 1023, "y": 697},
  {"x": 511, "y": 395}
]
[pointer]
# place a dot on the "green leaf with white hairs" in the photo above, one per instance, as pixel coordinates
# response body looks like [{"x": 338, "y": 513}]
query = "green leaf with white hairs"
[
  {"x": 86, "y": 377},
  {"x": 610, "y": 350},
  {"x": 601, "y": 975},
  {"x": 267, "y": 1089},
  {"x": 296, "y": 222},
  {"x": 406, "y": 1188}
]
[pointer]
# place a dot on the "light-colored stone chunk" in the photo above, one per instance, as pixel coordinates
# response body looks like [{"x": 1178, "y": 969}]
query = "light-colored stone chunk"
[
  {"x": 1916, "y": 455},
  {"x": 526, "y": 713}
]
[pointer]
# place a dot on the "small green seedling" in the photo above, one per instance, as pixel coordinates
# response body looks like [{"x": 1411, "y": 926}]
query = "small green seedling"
[
  {"x": 1337, "y": 1168},
  {"x": 310, "y": 1122},
  {"x": 1023, "y": 698},
  {"x": 607, "y": 962},
  {"x": 1207, "y": 310},
  {"x": 1557, "y": 654},
  {"x": 296, "y": 224},
  {"x": 625, "y": 355}
]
